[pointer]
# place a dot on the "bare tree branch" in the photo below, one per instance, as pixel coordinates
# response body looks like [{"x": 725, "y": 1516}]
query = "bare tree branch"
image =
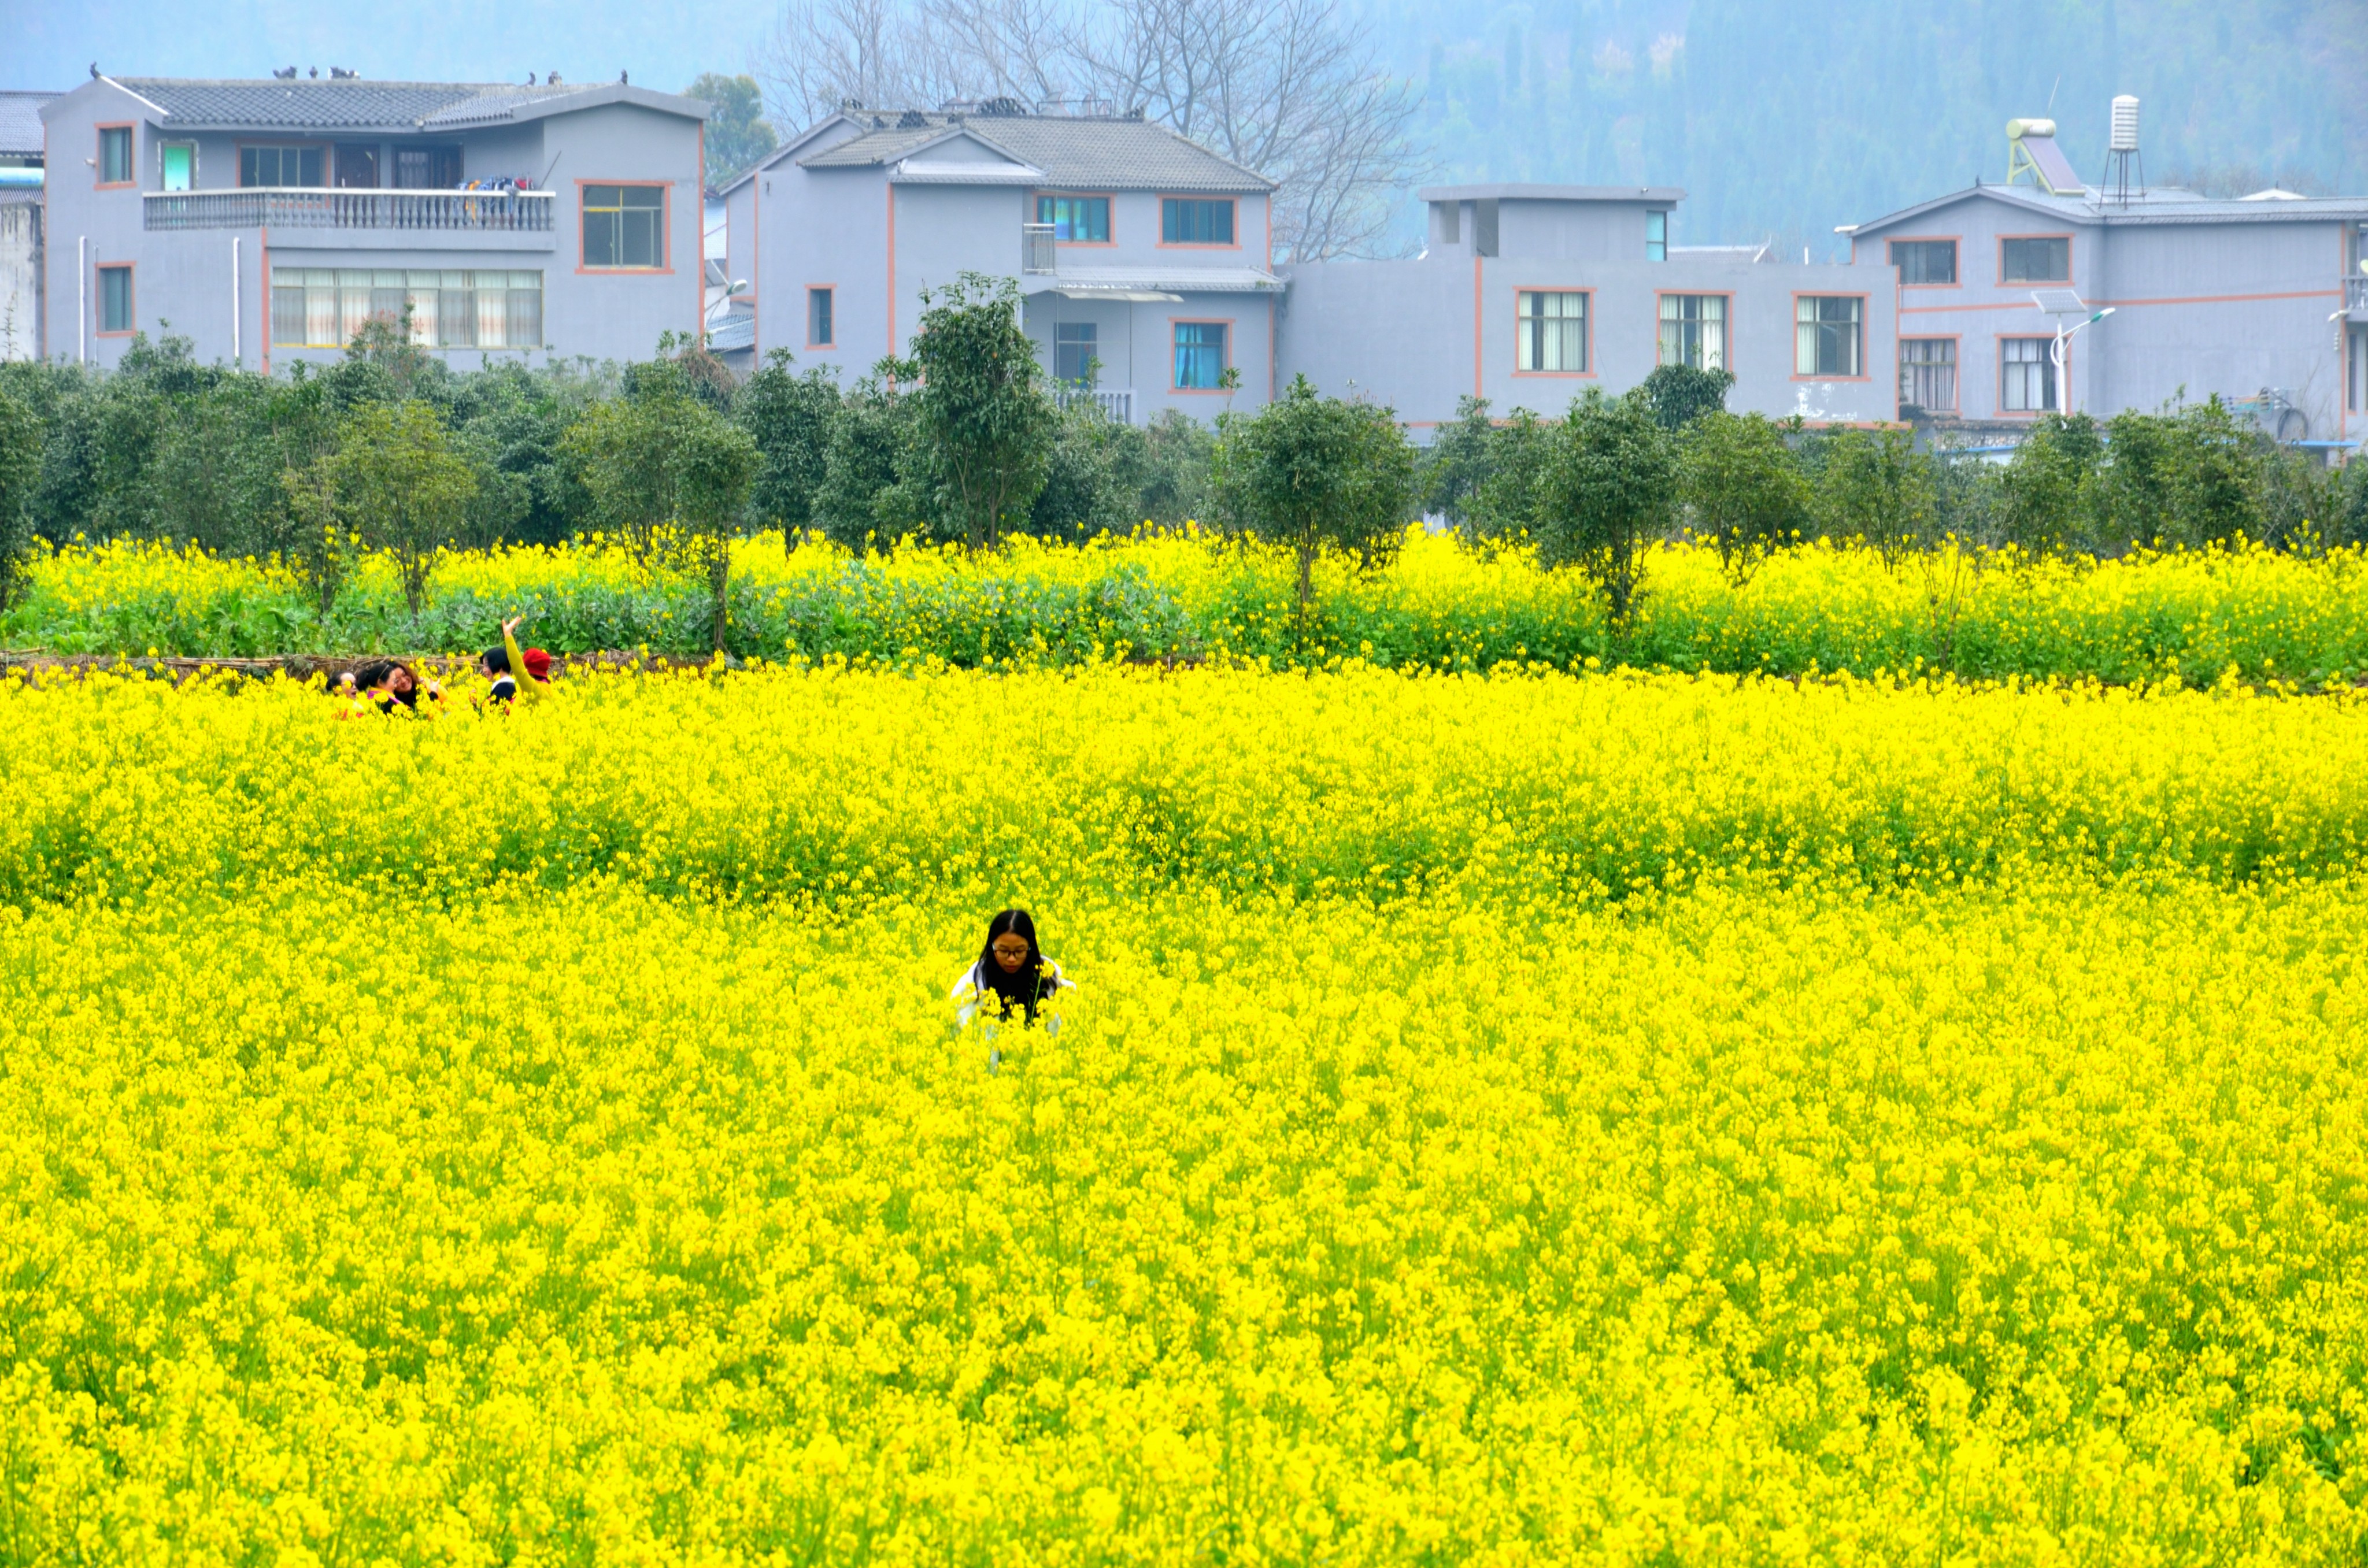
[{"x": 1279, "y": 86}]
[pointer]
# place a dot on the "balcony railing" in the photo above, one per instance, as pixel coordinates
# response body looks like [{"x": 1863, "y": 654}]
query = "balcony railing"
[
  {"x": 2356, "y": 293},
  {"x": 1036, "y": 247},
  {"x": 292, "y": 207},
  {"x": 1118, "y": 407}
]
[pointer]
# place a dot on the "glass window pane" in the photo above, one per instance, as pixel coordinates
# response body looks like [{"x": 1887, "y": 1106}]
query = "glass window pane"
[{"x": 1200, "y": 355}]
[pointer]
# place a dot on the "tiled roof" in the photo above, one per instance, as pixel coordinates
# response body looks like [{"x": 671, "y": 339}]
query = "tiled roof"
[
  {"x": 20, "y": 122},
  {"x": 2159, "y": 205},
  {"x": 1084, "y": 153},
  {"x": 309, "y": 105}
]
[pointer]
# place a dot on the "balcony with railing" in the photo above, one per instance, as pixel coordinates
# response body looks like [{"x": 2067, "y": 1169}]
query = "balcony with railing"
[
  {"x": 1118, "y": 407},
  {"x": 1036, "y": 252},
  {"x": 2355, "y": 294},
  {"x": 296, "y": 207}
]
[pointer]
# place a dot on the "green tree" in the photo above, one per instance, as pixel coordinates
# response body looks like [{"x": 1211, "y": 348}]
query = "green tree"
[
  {"x": 1307, "y": 471},
  {"x": 1744, "y": 489},
  {"x": 1607, "y": 490},
  {"x": 316, "y": 542},
  {"x": 405, "y": 490},
  {"x": 1458, "y": 464},
  {"x": 670, "y": 476},
  {"x": 712, "y": 463},
  {"x": 1084, "y": 493},
  {"x": 790, "y": 417},
  {"x": 981, "y": 415},
  {"x": 874, "y": 490},
  {"x": 1877, "y": 489},
  {"x": 20, "y": 473},
  {"x": 1680, "y": 394},
  {"x": 1504, "y": 505},
  {"x": 2050, "y": 497},
  {"x": 738, "y": 135}
]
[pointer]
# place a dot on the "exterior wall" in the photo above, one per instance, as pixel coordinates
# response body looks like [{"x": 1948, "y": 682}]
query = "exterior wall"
[
  {"x": 1546, "y": 230},
  {"x": 1135, "y": 229},
  {"x": 1419, "y": 336},
  {"x": 2226, "y": 308},
  {"x": 87, "y": 226},
  {"x": 2199, "y": 308},
  {"x": 187, "y": 279},
  {"x": 1137, "y": 346},
  {"x": 20, "y": 279},
  {"x": 826, "y": 228},
  {"x": 617, "y": 314}
]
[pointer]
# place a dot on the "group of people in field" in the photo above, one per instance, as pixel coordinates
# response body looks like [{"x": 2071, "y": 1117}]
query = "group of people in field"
[
  {"x": 391, "y": 686},
  {"x": 1011, "y": 981}
]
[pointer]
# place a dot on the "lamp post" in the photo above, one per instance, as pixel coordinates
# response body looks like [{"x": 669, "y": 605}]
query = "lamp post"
[{"x": 2064, "y": 335}]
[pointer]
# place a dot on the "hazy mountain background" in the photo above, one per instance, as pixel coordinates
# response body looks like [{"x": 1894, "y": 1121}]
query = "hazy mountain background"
[{"x": 1782, "y": 120}]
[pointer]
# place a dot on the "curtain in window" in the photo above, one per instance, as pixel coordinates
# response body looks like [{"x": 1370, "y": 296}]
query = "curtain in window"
[
  {"x": 1827, "y": 335},
  {"x": 1928, "y": 373},
  {"x": 1553, "y": 330},
  {"x": 1200, "y": 355},
  {"x": 1694, "y": 331},
  {"x": 2027, "y": 375}
]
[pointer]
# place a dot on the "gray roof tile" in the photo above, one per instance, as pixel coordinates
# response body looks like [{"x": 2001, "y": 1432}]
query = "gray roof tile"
[
  {"x": 20, "y": 122},
  {"x": 309, "y": 105},
  {"x": 1083, "y": 153}
]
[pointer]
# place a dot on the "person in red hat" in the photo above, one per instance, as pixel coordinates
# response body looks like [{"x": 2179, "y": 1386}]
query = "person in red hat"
[{"x": 534, "y": 662}]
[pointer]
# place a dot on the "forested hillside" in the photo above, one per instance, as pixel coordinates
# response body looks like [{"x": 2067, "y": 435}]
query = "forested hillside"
[{"x": 1784, "y": 120}]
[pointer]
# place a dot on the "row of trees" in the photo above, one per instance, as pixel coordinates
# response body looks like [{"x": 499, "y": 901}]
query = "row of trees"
[{"x": 964, "y": 443}]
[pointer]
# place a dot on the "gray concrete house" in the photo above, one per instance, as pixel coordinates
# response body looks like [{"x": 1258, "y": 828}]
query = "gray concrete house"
[
  {"x": 1527, "y": 294},
  {"x": 267, "y": 220},
  {"x": 1145, "y": 260},
  {"x": 20, "y": 224},
  {"x": 2236, "y": 298}
]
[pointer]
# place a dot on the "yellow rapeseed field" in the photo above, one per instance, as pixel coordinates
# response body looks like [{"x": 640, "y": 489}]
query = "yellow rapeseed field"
[{"x": 1529, "y": 1118}]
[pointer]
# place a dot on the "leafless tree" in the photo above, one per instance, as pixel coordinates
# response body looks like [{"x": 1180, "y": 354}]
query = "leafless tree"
[
  {"x": 1279, "y": 86},
  {"x": 881, "y": 53}
]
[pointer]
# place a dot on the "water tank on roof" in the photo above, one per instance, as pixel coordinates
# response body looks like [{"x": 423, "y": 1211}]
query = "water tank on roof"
[{"x": 2125, "y": 124}]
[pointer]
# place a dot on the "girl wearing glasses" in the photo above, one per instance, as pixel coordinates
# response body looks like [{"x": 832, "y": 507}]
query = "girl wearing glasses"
[{"x": 1012, "y": 972}]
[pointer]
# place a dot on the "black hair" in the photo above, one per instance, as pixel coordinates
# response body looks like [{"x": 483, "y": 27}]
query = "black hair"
[
  {"x": 497, "y": 660},
  {"x": 1024, "y": 988},
  {"x": 377, "y": 672}
]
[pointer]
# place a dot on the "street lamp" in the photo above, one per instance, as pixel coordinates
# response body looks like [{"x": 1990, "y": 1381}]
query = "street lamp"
[{"x": 2062, "y": 303}]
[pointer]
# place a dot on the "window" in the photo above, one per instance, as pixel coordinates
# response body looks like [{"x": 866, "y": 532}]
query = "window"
[
  {"x": 357, "y": 165},
  {"x": 1200, "y": 356},
  {"x": 115, "y": 298},
  {"x": 1075, "y": 356},
  {"x": 1656, "y": 239},
  {"x": 1694, "y": 331},
  {"x": 2036, "y": 261},
  {"x": 1075, "y": 220},
  {"x": 624, "y": 226},
  {"x": 1925, "y": 261},
  {"x": 1553, "y": 331},
  {"x": 115, "y": 155},
  {"x": 818, "y": 321},
  {"x": 1183, "y": 223},
  {"x": 178, "y": 161},
  {"x": 426, "y": 168},
  {"x": 1484, "y": 226},
  {"x": 2026, "y": 375},
  {"x": 319, "y": 307},
  {"x": 1928, "y": 373},
  {"x": 281, "y": 165},
  {"x": 1826, "y": 334},
  {"x": 2355, "y": 377}
]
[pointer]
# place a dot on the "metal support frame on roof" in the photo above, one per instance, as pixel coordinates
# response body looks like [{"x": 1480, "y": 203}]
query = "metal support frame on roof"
[{"x": 2030, "y": 149}]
